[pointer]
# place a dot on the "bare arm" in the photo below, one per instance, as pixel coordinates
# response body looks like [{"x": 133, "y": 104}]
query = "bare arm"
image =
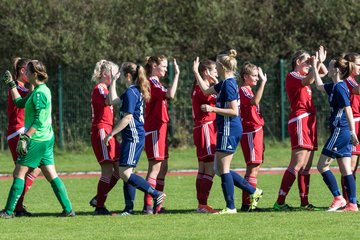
[
  {"x": 202, "y": 83},
  {"x": 232, "y": 111},
  {"x": 170, "y": 94},
  {"x": 350, "y": 118},
  {"x": 256, "y": 99},
  {"x": 319, "y": 83},
  {"x": 112, "y": 98},
  {"x": 119, "y": 127}
]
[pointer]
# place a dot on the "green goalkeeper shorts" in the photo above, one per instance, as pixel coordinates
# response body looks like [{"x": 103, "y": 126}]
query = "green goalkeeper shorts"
[{"x": 39, "y": 154}]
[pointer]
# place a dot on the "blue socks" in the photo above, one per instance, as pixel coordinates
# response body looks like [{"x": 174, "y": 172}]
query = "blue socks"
[
  {"x": 241, "y": 183},
  {"x": 227, "y": 185},
  {"x": 142, "y": 185},
  {"x": 330, "y": 181},
  {"x": 350, "y": 187},
  {"x": 129, "y": 195}
]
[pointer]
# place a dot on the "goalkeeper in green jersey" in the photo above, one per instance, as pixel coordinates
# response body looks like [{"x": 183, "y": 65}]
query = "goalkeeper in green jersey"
[{"x": 35, "y": 146}]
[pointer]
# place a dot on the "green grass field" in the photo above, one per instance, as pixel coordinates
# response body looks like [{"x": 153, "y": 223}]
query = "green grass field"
[{"x": 181, "y": 222}]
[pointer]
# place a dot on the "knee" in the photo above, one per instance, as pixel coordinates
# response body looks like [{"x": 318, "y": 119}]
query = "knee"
[
  {"x": 217, "y": 171},
  {"x": 124, "y": 176}
]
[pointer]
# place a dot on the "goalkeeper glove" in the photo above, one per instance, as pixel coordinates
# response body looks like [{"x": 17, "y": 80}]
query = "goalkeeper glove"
[
  {"x": 8, "y": 80},
  {"x": 22, "y": 144}
]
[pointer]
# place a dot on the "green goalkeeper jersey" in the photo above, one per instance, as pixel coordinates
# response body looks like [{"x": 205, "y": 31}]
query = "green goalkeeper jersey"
[{"x": 38, "y": 112}]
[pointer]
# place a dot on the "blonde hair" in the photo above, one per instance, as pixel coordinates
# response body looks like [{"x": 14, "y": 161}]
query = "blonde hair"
[
  {"x": 246, "y": 70},
  {"x": 100, "y": 67},
  {"x": 228, "y": 60},
  {"x": 138, "y": 76}
]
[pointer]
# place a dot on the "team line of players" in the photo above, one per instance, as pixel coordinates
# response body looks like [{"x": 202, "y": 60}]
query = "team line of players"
[{"x": 224, "y": 116}]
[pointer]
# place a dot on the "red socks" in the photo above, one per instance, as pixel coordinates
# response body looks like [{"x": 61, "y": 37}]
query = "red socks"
[
  {"x": 203, "y": 191},
  {"x": 304, "y": 183},
  {"x": 286, "y": 183},
  {"x": 245, "y": 195},
  {"x": 102, "y": 190},
  {"x": 148, "y": 198}
]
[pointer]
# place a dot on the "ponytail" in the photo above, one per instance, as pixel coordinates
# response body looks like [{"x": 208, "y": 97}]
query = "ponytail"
[
  {"x": 143, "y": 83},
  {"x": 139, "y": 78}
]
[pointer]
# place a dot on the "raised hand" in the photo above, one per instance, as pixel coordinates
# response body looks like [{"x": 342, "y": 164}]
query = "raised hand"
[
  {"x": 8, "y": 80},
  {"x": 321, "y": 54},
  {"x": 176, "y": 67},
  {"x": 262, "y": 75},
  {"x": 196, "y": 65}
]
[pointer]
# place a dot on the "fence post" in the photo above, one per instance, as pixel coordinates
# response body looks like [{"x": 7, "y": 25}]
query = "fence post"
[
  {"x": 60, "y": 99},
  {"x": 282, "y": 89},
  {"x": 171, "y": 77}
]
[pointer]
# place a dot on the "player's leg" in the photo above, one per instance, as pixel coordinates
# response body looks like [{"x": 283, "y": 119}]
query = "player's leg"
[
  {"x": 347, "y": 173},
  {"x": 323, "y": 167},
  {"x": 15, "y": 192}
]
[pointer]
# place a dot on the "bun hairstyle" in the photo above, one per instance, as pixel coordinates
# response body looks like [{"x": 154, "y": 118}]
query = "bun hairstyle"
[
  {"x": 38, "y": 68},
  {"x": 345, "y": 67},
  {"x": 138, "y": 76},
  {"x": 247, "y": 69},
  {"x": 156, "y": 59},
  {"x": 18, "y": 64},
  {"x": 100, "y": 67},
  {"x": 298, "y": 55},
  {"x": 228, "y": 60}
]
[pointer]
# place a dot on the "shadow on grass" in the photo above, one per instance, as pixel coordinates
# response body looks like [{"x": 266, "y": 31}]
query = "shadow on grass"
[{"x": 179, "y": 211}]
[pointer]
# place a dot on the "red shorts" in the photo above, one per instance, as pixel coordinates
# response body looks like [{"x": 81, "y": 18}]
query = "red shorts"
[
  {"x": 252, "y": 144},
  {"x": 205, "y": 141},
  {"x": 356, "y": 149},
  {"x": 12, "y": 146},
  {"x": 102, "y": 152},
  {"x": 156, "y": 143},
  {"x": 303, "y": 132}
]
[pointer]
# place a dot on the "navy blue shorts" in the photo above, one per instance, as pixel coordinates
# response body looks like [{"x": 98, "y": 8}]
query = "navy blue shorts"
[
  {"x": 339, "y": 144},
  {"x": 130, "y": 152},
  {"x": 227, "y": 143}
]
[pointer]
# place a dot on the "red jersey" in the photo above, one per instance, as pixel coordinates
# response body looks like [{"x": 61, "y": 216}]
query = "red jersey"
[
  {"x": 198, "y": 98},
  {"x": 299, "y": 96},
  {"x": 354, "y": 98},
  {"x": 251, "y": 116},
  {"x": 156, "y": 110},
  {"x": 102, "y": 114},
  {"x": 16, "y": 115}
]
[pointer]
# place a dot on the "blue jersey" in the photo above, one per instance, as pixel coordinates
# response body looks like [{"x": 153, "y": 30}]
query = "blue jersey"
[
  {"x": 339, "y": 98},
  {"x": 132, "y": 102},
  {"x": 228, "y": 91}
]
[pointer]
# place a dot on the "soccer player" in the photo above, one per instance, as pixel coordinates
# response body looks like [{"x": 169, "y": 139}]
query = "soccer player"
[
  {"x": 35, "y": 146},
  {"x": 302, "y": 130},
  {"x": 156, "y": 125},
  {"x": 204, "y": 135},
  {"x": 252, "y": 141},
  {"x": 131, "y": 126},
  {"x": 102, "y": 124},
  {"x": 16, "y": 126},
  {"x": 343, "y": 135},
  {"x": 354, "y": 89},
  {"x": 229, "y": 128}
]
